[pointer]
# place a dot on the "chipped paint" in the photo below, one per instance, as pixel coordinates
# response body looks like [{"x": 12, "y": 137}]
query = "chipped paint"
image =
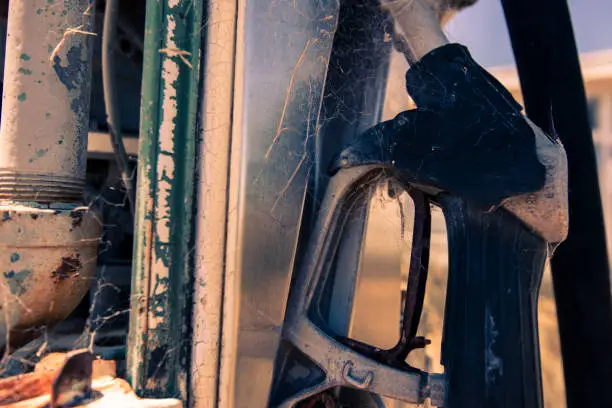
[
  {"x": 161, "y": 284},
  {"x": 165, "y": 170},
  {"x": 48, "y": 251},
  {"x": 67, "y": 69},
  {"x": 41, "y": 152},
  {"x": 38, "y": 153},
  {"x": 16, "y": 281}
]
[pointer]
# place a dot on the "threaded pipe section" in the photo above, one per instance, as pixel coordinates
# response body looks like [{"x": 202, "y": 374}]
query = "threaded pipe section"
[{"x": 21, "y": 186}]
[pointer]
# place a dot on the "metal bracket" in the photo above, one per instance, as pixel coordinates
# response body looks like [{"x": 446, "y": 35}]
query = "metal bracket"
[{"x": 361, "y": 384}]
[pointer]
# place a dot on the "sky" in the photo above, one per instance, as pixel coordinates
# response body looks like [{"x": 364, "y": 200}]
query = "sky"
[{"x": 483, "y": 29}]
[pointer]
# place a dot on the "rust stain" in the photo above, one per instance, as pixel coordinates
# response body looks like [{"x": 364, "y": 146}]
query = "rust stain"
[
  {"x": 77, "y": 218},
  {"x": 25, "y": 386},
  {"x": 69, "y": 267}
]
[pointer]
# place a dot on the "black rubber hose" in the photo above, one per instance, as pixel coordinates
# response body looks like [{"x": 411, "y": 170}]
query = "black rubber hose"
[
  {"x": 113, "y": 116},
  {"x": 553, "y": 92}
]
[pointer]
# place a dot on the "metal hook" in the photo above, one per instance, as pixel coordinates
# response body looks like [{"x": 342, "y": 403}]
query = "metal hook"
[{"x": 353, "y": 381}]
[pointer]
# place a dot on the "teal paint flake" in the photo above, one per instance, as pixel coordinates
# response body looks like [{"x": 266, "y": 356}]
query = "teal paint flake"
[{"x": 16, "y": 281}]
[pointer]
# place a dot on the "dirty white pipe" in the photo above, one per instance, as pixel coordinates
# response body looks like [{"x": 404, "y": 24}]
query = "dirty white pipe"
[
  {"x": 45, "y": 108},
  {"x": 48, "y": 239}
]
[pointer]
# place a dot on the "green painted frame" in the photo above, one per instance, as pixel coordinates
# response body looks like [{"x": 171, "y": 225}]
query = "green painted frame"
[{"x": 158, "y": 343}]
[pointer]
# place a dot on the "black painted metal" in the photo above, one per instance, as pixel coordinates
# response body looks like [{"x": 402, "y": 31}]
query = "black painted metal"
[
  {"x": 490, "y": 346},
  {"x": 553, "y": 91}
]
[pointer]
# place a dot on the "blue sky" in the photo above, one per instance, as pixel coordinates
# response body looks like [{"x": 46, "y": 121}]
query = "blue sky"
[{"x": 483, "y": 29}]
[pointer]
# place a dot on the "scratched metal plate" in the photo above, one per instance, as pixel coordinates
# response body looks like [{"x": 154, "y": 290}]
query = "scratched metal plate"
[{"x": 282, "y": 51}]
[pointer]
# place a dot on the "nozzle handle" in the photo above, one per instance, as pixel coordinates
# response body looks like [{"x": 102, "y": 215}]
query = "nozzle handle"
[{"x": 490, "y": 342}]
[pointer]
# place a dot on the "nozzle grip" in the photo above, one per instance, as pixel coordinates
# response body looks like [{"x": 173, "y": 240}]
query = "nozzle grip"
[{"x": 490, "y": 343}]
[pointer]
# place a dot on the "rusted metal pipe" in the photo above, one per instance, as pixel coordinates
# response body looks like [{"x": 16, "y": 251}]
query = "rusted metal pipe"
[{"x": 48, "y": 239}]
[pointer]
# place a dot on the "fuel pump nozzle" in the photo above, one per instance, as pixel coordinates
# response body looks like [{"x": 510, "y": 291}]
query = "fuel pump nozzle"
[{"x": 502, "y": 186}]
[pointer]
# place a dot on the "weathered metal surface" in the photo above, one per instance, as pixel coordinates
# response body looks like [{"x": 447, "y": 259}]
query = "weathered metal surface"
[
  {"x": 211, "y": 217},
  {"x": 47, "y": 261},
  {"x": 158, "y": 345},
  {"x": 48, "y": 248},
  {"x": 45, "y": 109},
  {"x": 282, "y": 53},
  {"x": 305, "y": 328}
]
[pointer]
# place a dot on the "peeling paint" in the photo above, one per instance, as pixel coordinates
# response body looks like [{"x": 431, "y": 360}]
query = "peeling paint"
[
  {"x": 16, "y": 281},
  {"x": 38, "y": 154},
  {"x": 41, "y": 152},
  {"x": 165, "y": 170},
  {"x": 157, "y": 358},
  {"x": 25, "y": 71},
  {"x": 22, "y": 97},
  {"x": 25, "y": 57},
  {"x": 70, "y": 70},
  {"x": 14, "y": 257}
]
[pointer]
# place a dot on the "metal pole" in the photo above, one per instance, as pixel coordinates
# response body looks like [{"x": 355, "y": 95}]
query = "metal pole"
[{"x": 553, "y": 90}]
